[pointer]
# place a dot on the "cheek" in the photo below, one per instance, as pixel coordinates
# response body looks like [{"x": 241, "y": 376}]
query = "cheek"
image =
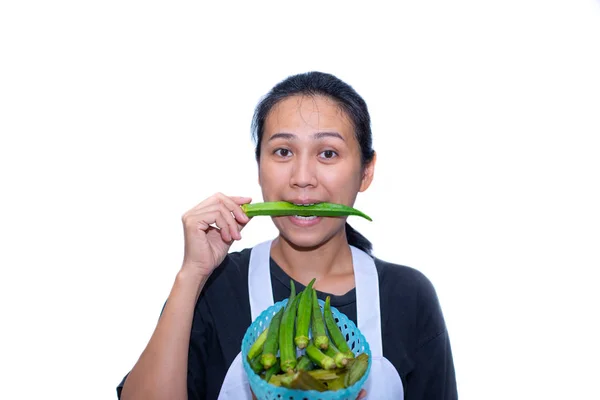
[
  {"x": 343, "y": 184},
  {"x": 270, "y": 176}
]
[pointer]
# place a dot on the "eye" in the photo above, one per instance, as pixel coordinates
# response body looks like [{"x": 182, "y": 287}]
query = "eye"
[
  {"x": 328, "y": 154},
  {"x": 282, "y": 152}
]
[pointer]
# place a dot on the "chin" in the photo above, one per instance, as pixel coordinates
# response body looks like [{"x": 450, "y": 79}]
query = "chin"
[
  {"x": 305, "y": 239},
  {"x": 302, "y": 243}
]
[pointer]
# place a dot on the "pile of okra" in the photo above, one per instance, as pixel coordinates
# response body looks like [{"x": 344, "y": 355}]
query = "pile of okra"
[{"x": 325, "y": 363}]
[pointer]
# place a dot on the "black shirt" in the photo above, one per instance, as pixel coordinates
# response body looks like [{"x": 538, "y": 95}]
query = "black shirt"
[{"x": 414, "y": 333}]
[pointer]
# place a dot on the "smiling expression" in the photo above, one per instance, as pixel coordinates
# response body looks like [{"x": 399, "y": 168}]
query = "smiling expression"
[{"x": 309, "y": 154}]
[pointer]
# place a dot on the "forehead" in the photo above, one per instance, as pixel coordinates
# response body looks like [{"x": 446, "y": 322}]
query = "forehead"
[{"x": 307, "y": 114}]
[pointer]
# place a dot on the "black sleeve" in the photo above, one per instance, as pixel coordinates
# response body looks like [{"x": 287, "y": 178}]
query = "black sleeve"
[
  {"x": 433, "y": 375},
  {"x": 199, "y": 340}
]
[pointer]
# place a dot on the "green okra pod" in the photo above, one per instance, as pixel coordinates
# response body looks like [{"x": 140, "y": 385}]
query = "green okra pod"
[
  {"x": 335, "y": 334},
  {"x": 318, "y": 325},
  {"x": 287, "y": 348},
  {"x": 324, "y": 374},
  {"x": 303, "y": 317},
  {"x": 302, "y": 380},
  {"x": 356, "y": 370},
  {"x": 275, "y": 369},
  {"x": 256, "y": 364},
  {"x": 322, "y": 360},
  {"x": 341, "y": 359},
  {"x": 257, "y": 346},
  {"x": 304, "y": 364},
  {"x": 269, "y": 354},
  {"x": 283, "y": 208}
]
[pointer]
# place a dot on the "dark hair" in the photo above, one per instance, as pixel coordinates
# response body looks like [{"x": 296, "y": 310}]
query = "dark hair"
[{"x": 322, "y": 84}]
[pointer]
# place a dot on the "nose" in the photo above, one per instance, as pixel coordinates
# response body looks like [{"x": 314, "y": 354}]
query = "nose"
[{"x": 304, "y": 172}]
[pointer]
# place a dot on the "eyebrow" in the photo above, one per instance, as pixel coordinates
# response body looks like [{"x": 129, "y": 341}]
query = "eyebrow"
[{"x": 318, "y": 135}]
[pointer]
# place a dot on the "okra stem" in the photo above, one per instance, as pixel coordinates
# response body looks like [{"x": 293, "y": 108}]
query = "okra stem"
[
  {"x": 318, "y": 357},
  {"x": 341, "y": 359}
]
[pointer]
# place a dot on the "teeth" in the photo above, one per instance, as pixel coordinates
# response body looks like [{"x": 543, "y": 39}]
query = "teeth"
[
  {"x": 306, "y": 218},
  {"x": 311, "y": 204}
]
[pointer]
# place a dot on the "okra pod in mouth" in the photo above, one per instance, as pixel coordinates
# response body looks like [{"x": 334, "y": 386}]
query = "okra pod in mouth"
[{"x": 284, "y": 208}]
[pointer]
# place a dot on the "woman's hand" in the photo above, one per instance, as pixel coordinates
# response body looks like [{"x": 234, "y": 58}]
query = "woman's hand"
[{"x": 205, "y": 245}]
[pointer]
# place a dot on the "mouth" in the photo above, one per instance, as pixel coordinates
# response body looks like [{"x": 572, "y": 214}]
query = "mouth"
[
  {"x": 305, "y": 220},
  {"x": 306, "y": 203}
]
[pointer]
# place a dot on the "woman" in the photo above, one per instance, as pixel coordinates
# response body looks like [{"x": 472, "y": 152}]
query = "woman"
[{"x": 313, "y": 140}]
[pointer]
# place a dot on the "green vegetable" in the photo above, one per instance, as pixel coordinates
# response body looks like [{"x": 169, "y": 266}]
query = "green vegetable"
[
  {"x": 256, "y": 365},
  {"x": 282, "y": 208},
  {"x": 334, "y": 332},
  {"x": 275, "y": 369},
  {"x": 302, "y": 380},
  {"x": 341, "y": 359},
  {"x": 356, "y": 370},
  {"x": 323, "y": 374},
  {"x": 318, "y": 357},
  {"x": 270, "y": 348},
  {"x": 287, "y": 348},
  {"x": 257, "y": 346},
  {"x": 318, "y": 325},
  {"x": 304, "y": 364},
  {"x": 303, "y": 317}
]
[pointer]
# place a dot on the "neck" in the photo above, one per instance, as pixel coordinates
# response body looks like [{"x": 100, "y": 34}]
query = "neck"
[{"x": 326, "y": 263}]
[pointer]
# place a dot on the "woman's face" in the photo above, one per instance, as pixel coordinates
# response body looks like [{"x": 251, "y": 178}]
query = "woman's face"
[{"x": 309, "y": 154}]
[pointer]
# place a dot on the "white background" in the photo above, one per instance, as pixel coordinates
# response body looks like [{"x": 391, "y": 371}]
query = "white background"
[{"x": 118, "y": 116}]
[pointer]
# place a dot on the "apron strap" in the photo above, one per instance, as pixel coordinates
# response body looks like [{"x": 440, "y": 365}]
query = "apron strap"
[
  {"x": 259, "y": 279},
  {"x": 368, "y": 313}
]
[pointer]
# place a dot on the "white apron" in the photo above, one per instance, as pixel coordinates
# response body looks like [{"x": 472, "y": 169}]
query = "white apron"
[{"x": 383, "y": 383}]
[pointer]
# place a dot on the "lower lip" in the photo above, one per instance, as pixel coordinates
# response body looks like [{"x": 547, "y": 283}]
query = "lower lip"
[{"x": 304, "y": 222}]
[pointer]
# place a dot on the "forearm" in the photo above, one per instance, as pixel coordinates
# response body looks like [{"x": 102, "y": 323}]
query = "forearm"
[{"x": 161, "y": 371}]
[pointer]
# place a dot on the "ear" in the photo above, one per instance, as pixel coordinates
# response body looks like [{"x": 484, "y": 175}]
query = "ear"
[{"x": 368, "y": 173}]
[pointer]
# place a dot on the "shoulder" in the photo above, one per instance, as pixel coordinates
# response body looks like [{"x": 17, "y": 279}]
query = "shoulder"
[
  {"x": 404, "y": 278},
  {"x": 405, "y": 291}
]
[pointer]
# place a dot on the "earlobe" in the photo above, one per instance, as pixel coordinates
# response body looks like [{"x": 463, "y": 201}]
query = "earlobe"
[{"x": 368, "y": 173}]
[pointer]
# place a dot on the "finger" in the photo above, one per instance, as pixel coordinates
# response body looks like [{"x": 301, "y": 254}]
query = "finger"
[
  {"x": 362, "y": 394},
  {"x": 234, "y": 227},
  {"x": 218, "y": 197},
  {"x": 203, "y": 220},
  {"x": 223, "y": 225},
  {"x": 233, "y": 203},
  {"x": 241, "y": 199},
  {"x": 233, "y": 212}
]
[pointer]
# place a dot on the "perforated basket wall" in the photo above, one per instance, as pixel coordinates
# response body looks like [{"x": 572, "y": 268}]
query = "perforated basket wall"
[{"x": 266, "y": 391}]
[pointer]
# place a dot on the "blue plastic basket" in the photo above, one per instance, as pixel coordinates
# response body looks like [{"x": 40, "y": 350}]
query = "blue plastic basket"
[{"x": 266, "y": 391}]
